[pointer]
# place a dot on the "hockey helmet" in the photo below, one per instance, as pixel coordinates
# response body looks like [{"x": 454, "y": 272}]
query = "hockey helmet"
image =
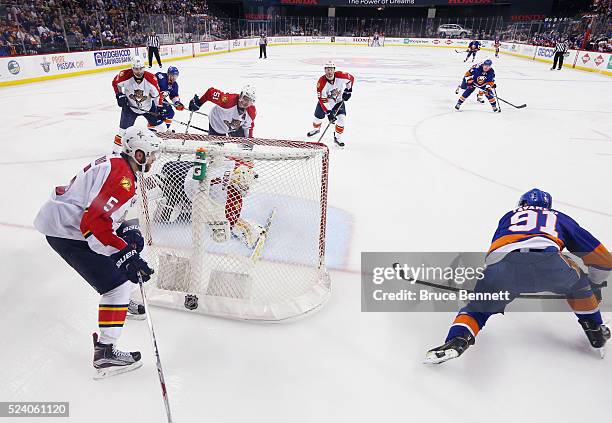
[
  {"x": 137, "y": 62},
  {"x": 536, "y": 197},
  {"x": 136, "y": 139},
  {"x": 248, "y": 91},
  {"x": 329, "y": 64},
  {"x": 173, "y": 70},
  {"x": 488, "y": 62},
  {"x": 243, "y": 176}
]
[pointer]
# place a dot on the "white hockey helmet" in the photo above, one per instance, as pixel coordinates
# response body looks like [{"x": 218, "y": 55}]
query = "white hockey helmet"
[
  {"x": 137, "y": 62},
  {"x": 330, "y": 64},
  {"x": 136, "y": 139},
  {"x": 244, "y": 177},
  {"x": 248, "y": 91}
]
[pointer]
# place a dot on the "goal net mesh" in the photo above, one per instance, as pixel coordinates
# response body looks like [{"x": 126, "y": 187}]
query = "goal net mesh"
[{"x": 247, "y": 239}]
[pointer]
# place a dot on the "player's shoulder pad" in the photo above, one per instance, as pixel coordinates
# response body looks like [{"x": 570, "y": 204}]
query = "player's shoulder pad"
[
  {"x": 321, "y": 82},
  {"x": 252, "y": 111},
  {"x": 124, "y": 75},
  {"x": 160, "y": 75},
  {"x": 123, "y": 174},
  {"x": 150, "y": 77}
]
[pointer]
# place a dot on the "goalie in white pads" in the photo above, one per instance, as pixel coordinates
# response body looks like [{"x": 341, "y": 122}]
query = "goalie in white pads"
[
  {"x": 221, "y": 206},
  {"x": 334, "y": 89}
]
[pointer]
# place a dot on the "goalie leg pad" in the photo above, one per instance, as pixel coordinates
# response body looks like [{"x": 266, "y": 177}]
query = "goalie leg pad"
[{"x": 247, "y": 232}]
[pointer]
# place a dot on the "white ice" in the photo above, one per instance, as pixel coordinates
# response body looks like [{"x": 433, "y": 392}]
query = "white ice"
[{"x": 416, "y": 176}]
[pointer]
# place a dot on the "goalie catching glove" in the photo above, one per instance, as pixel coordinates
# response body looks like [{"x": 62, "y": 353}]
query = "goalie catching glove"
[{"x": 131, "y": 264}]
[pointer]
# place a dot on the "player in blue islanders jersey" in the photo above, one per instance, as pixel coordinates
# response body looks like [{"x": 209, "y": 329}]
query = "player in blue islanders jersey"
[
  {"x": 170, "y": 91},
  {"x": 483, "y": 78},
  {"x": 525, "y": 257},
  {"x": 496, "y": 45},
  {"x": 473, "y": 47}
]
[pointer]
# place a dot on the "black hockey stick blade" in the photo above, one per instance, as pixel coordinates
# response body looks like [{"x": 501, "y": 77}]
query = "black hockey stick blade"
[{"x": 522, "y": 106}]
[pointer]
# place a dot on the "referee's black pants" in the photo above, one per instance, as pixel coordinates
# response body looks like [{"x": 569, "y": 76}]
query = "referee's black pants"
[
  {"x": 154, "y": 51},
  {"x": 558, "y": 59},
  {"x": 262, "y": 51}
]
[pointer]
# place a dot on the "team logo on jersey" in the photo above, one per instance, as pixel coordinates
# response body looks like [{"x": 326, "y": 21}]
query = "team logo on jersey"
[
  {"x": 125, "y": 183},
  {"x": 481, "y": 80},
  {"x": 233, "y": 125},
  {"x": 191, "y": 302},
  {"x": 138, "y": 96},
  {"x": 335, "y": 93}
]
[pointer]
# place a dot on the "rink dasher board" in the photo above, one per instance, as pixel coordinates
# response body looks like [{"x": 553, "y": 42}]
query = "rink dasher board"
[{"x": 35, "y": 68}]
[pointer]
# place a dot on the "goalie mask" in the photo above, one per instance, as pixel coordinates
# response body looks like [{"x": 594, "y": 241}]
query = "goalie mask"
[
  {"x": 139, "y": 139},
  {"x": 243, "y": 177}
]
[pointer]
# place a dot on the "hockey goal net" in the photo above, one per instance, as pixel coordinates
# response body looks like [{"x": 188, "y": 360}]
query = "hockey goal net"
[
  {"x": 376, "y": 40},
  {"x": 242, "y": 239}
]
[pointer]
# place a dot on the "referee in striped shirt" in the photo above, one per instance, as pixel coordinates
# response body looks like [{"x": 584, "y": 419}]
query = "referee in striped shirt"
[
  {"x": 153, "y": 48},
  {"x": 560, "y": 50}
]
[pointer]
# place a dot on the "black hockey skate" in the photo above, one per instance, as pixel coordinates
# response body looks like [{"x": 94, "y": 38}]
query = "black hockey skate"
[
  {"x": 136, "y": 311},
  {"x": 109, "y": 361},
  {"x": 338, "y": 142},
  {"x": 457, "y": 106},
  {"x": 452, "y": 349},
  {"x": 457, "y": 90},
  {"x": 597, "y": 335},
  {"x": 313, "y": 132}
]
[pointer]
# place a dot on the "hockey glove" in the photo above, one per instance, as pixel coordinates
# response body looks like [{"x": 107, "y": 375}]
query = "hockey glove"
[
  {"x": 347, "y": 94},
  {"x": 122, "y": 100},
  {"x": 194, "y": 104},
  {"x": 179, "y": 106},
  {"x": 494, "y": 86},
  {"x": 131, "y": 264},
  {"x": 166, "y": 111},
  {"x": 129, "y": 232},
  {"x": 331, "y": 116}
]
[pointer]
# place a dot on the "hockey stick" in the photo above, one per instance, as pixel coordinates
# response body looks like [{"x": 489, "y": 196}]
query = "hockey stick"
[
  {"x": 455, "y": 289},
  {"x": 522, "y": 106},
  {"x": 497, "y": 100},
  {"x": 189, "y": 125},
  {"x": 262, "y": 239},
  {"x": 160, "y": 372},
  {"x": 200, "y": 113},
  {"x": 189, "y": 122},
  {"x": 330, "y": 122},
  {"x": 461, "y": 51}
]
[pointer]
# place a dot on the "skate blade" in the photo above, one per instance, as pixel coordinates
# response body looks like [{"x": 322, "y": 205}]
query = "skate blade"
[
  {"x": 136, "y": 316},
  {"x": 602, "y": 353},
  {"x": 113, "y": 371},
  {"x": 435, "y": 357}
]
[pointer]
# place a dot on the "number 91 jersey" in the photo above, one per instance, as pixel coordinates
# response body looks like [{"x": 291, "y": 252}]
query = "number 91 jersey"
[{"x": 539, "y": 228}]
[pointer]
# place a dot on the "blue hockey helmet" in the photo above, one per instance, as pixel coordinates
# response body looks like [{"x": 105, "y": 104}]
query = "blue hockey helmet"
[
  {"x": 536, "y": 197},
  {"x": 488, "y": 62},
  {"x": 173, "y": 70}
]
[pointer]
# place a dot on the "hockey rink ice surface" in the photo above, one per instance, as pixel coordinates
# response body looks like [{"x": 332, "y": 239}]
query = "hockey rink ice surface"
[{"x": 416, "y": 175}]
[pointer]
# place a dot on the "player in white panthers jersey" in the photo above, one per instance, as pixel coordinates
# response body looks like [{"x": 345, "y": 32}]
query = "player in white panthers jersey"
[
  {"x": 334, "y": 89},
  {"x": 84, "y": 223},
  {"x": 233, "y": 114},
  {"x": 138, "y": 94},
  {"x": 230, "y": 182}
]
